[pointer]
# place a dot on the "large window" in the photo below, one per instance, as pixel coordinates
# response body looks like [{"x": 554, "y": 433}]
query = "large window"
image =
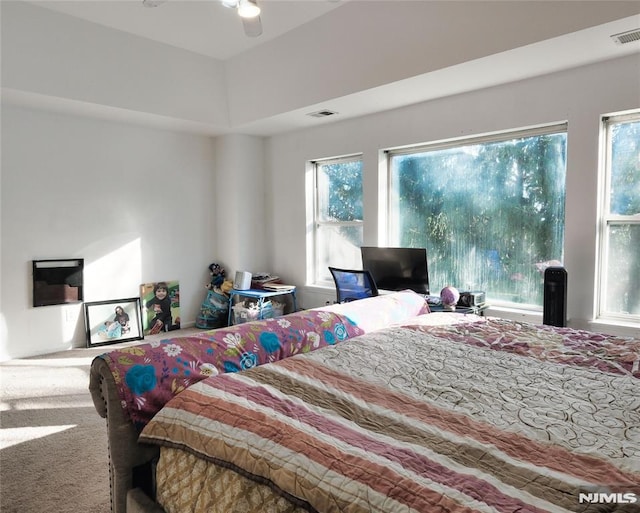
[
  {"x": 338, "y": 219},
  {"x": 619, "y": 290},
  {"x": 490, "y": 210}
]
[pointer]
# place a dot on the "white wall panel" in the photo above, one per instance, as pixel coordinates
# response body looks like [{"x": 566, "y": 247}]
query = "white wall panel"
[
  {"x": 135, "y": 203},
  {"x": 367, "y": 44},
  {"x": 54, "y": 55}
]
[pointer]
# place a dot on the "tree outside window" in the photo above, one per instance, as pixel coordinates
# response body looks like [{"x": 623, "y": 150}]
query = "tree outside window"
[
  {"x": 619, "y": 294},
  {"x": 489, "y": 211},
  {"x": 338, "y": 215}
]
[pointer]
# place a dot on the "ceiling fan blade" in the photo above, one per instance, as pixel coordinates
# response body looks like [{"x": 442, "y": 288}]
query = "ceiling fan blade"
[{"x": 252, "y": 26}]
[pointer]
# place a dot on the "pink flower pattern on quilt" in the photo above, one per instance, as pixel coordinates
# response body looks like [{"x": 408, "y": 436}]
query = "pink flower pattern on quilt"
[{"x": 148, "y": 375}]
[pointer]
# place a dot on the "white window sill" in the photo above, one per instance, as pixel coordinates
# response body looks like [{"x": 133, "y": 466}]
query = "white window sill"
[
  {"x": 514, "y": 314},
  {"x": 615, "y": 327}
]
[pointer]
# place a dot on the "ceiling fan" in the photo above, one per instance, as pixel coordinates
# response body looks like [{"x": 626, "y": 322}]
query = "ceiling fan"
[{"x": 248, "y": 10}]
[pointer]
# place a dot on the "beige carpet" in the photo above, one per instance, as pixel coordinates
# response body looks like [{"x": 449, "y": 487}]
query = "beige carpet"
[{"x": 53, "y": 444}]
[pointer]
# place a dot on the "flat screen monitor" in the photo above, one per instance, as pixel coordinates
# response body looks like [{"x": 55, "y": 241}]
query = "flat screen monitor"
[{"x": 397, "y": 268}]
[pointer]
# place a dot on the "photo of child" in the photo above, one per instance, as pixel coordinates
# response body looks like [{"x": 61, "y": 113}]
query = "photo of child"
[
  {"x": 116, "y": 327},
  {"x": 112, "y": 320},
  {"x": 161, "y": 306}
]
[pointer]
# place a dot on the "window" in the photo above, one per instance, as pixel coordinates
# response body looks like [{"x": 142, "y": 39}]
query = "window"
[
  {"x": 338, "y": 219},
  {"x": 619, "y": 285},
  {"x": 489, "y": 210}
]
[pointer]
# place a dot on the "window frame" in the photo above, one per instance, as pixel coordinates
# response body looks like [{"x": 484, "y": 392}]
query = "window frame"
[
  {"x": 606, "y": 220},
  {"x": 499, "y": 136},
  {"x": 318, "y": 222}
]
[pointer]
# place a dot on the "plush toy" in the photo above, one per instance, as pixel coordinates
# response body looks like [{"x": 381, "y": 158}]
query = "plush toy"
[
  {"x": 215, "y": 308},
  {"x": 217, "y": 273},
  {"x": 226, "y": 286}
]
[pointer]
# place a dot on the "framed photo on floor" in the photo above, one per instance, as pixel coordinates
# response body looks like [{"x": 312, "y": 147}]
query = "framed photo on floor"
[
  {"x": 112, "y": 321},
  {"x": 160, "y": 306}
]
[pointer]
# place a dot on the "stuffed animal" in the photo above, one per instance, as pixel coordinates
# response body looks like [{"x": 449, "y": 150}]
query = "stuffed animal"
[
  {"x": 214, "y": 311},
  {"x": 217, "y": 273},
  {"x": 226, "y": 286}
]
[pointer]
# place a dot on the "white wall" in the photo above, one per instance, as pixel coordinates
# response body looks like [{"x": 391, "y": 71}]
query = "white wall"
[
  {"x": 366, "y": 44},
  {"x": 359, "y": 47},
  {"x": 579, "y": 96},
  {"x": 136, "y": 203},
  {"x": 240, "y": 203},
  {"x": 55, "y": 57}
]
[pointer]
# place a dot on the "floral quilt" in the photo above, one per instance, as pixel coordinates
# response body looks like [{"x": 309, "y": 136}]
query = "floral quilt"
[
  {"x": 564, "y": 346},
  {"x": 487, "y": 416},
  {"x": 146, "y": 377}
]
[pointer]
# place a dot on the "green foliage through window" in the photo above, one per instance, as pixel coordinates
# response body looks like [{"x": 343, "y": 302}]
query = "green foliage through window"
[
  {"x": 490, "y": 212},
  {"x": 340, "y": 191},
  {"x": 339, "y": 215}
]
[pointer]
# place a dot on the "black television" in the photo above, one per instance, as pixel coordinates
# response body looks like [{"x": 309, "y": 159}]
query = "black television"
[{"x": 397, "y": 268}]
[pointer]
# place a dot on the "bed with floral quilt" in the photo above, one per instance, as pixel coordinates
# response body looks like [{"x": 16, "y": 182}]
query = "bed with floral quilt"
[
  {"x": 130, "y": 385},
  {"x": 479, "y": 415}
]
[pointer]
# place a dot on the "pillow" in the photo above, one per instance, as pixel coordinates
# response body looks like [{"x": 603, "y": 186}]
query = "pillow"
[{"x": 374, "y": 313}]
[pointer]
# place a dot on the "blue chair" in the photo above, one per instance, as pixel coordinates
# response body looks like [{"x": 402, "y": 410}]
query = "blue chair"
[{"x": 353, "y": 284}]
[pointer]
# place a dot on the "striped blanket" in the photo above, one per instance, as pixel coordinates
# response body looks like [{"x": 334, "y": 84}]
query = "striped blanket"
[{"x": 491, "y": 416}]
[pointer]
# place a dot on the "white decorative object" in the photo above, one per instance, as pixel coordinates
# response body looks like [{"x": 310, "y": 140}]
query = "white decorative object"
[{"x": 242, "y": 281}]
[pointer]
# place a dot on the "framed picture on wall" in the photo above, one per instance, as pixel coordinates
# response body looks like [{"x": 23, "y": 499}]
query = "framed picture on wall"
[{"x": 116, "y": 320}]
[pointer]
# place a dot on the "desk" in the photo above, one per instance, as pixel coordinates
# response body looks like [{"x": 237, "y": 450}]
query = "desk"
[{"x": 262, "y": 299}]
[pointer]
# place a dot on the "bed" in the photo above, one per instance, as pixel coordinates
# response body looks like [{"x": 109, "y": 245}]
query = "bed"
[
  {"x": 438, "y": 413},
  {"x": 130, "y": 385}
]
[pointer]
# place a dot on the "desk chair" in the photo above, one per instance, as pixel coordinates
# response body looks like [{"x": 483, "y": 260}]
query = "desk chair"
[{"x": 353, "y": 284}]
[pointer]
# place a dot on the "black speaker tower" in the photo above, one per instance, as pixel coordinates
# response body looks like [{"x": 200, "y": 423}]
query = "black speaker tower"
[{"x": 555, "y": 297}]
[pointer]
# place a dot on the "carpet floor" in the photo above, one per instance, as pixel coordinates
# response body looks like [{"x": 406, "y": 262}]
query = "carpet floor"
[{"x": 53, "y": 443}]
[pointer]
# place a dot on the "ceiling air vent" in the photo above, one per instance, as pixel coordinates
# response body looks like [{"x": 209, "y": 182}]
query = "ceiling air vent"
[
  {"x": 322, "y": 114},
  {"x": 630, "y": 36}
]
